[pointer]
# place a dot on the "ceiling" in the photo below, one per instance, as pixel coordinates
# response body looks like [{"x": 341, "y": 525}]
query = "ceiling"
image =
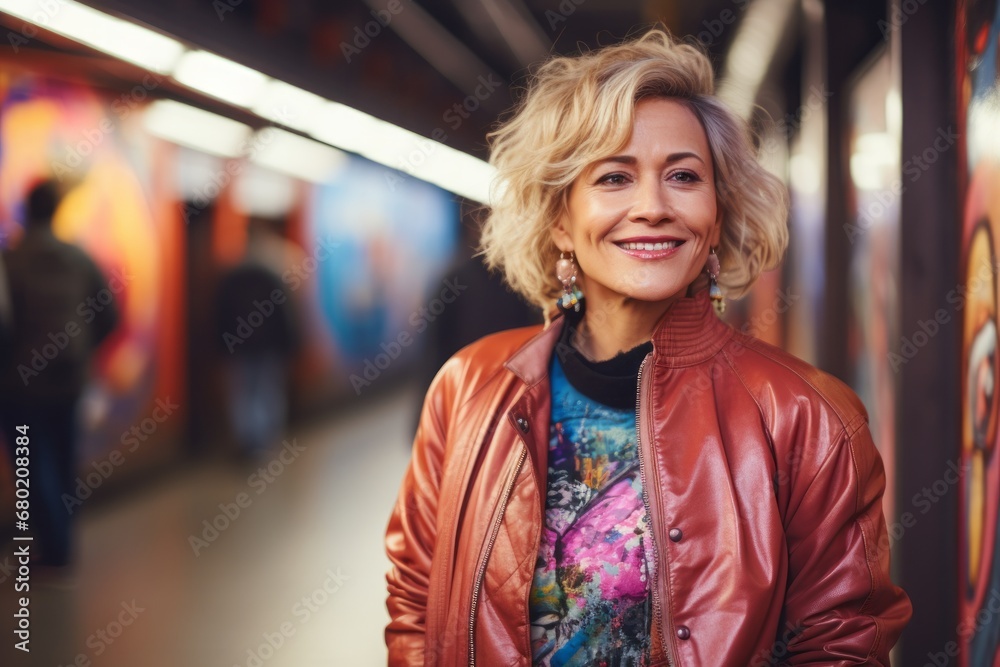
[{"x": 445, "y": 66}]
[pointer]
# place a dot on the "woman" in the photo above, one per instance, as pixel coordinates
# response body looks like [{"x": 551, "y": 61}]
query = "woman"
[{"x": 637, "y": 483}]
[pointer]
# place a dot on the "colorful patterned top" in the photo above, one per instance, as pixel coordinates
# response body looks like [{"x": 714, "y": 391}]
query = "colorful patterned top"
[{"x": 590, "y": 603}]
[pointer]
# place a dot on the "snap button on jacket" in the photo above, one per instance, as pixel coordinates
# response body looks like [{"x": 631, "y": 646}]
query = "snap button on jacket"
[{"x": 764, "y": 493}]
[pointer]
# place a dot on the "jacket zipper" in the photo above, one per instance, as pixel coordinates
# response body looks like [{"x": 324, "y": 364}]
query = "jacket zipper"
[
  {"x": 486, "y": 556},
  {"x": 654, "y": 589}
]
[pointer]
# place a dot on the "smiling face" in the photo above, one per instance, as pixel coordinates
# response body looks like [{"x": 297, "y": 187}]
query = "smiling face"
[{"x": 641, "y": 222}]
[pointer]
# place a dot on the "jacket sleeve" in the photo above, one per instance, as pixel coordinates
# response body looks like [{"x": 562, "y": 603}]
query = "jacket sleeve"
[
  {"x": 411, "y": 535},
  {"x": 840, "y": 601}
]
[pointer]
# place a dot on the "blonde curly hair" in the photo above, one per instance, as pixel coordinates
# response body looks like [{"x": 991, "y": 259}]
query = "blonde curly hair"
[{"x": 577, "y": 110}]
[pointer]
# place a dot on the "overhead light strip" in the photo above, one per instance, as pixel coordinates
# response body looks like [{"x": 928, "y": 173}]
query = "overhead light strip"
[
  {"x": 240, "y": 86},
  {"x": 119, "y": 38},
  {"x": 196, "y": 128}
]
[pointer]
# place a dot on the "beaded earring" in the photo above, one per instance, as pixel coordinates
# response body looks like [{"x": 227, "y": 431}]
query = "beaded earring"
[
  {"x": 713, "y": 268},
  {"x": 566, "y": 273}
]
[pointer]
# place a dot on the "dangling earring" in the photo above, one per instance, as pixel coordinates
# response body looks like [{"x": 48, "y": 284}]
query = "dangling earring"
[
  {"x": 566, "y": 273},
  {"x": 712, "y": 268}
]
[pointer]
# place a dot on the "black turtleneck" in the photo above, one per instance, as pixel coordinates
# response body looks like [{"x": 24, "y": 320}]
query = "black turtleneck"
[{"x": 612, "y": 382}]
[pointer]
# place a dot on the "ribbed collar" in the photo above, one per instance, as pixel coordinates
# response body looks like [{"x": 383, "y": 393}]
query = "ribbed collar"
[{"x": 688, "y": 333}]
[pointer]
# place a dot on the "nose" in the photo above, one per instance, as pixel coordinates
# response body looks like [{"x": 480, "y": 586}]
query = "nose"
[{"x": 652, "y": 202}]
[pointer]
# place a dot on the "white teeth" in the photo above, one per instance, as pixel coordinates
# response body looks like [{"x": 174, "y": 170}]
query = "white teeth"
[{"x": 650, "y": 246}]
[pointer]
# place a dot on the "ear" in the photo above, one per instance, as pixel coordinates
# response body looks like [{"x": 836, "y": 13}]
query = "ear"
[
  {"x": 560, "y": 234},
  {"x": 716, "y": 236}
]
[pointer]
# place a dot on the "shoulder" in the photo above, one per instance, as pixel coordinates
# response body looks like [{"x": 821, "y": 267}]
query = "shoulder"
[
  {"x": 476, "y": 363},
  {"x": 785, "y": 386},
  {"x": 474, "y": 372}
]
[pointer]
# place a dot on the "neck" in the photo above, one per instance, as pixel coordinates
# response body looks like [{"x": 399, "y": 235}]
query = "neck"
[
  {"x": 613, "y": 323},
  {"x": 612, "y": 326}
]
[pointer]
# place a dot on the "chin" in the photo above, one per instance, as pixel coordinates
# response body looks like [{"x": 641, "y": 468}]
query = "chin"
[
  {"x": 655, "y": 290},
  {"x": 653, "y": 296}
]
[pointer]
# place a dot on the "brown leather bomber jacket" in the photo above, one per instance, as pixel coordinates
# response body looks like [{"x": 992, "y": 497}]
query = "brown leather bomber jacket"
[{"x": 762, "y": 482}]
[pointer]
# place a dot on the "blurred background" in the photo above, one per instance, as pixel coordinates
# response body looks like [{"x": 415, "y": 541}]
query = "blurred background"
[{"x": 264, "y": 213}]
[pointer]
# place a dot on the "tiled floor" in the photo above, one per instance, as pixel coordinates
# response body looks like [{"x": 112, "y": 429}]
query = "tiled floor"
[{"x": 297, "y": 579}]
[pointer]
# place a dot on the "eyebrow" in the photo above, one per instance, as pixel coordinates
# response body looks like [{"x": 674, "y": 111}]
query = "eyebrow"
[{"x": 672, "y": 158}]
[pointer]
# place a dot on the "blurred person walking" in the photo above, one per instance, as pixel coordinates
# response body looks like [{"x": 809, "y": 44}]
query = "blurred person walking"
[
  {"x": 259, "y": 330},
  {"x": 44, "y": 367}
]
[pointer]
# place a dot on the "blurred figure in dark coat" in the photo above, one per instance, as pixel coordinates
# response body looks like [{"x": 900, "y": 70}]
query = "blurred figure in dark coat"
[
  {"x": 259, "y": 334},
  {"x": 61, "y": 310}
]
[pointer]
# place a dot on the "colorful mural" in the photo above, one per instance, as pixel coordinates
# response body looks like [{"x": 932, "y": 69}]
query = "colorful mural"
[
  {"x": 379, "y": 237},
  {"x": 89, "y": 140},
  {"x": 978, "y": 29}
]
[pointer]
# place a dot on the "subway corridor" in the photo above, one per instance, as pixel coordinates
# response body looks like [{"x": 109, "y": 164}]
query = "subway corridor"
[{"x": 296, "y": 579}]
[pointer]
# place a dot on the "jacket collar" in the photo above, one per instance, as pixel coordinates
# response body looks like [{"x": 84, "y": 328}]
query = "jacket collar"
[{"x": 688, "y": 333}]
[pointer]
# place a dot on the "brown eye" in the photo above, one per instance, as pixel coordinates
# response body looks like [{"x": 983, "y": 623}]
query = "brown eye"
[{"x": 613, "y": 179}]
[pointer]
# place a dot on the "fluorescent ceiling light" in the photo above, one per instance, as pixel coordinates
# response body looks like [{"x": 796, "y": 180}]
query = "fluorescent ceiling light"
[
  {"x": 220, "y": 77},
  {"x": 458, "y": 172},
  {"x": 196, "y": 128},
  {"x": 330, "y": 122},
  {"x": 116, "y": 37},
  {"x": 348, "y": 128},
  {"x": 288, "y": 105},
  {"x": 411, "y": 153},
  {"x": 296, "y": 156}
]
